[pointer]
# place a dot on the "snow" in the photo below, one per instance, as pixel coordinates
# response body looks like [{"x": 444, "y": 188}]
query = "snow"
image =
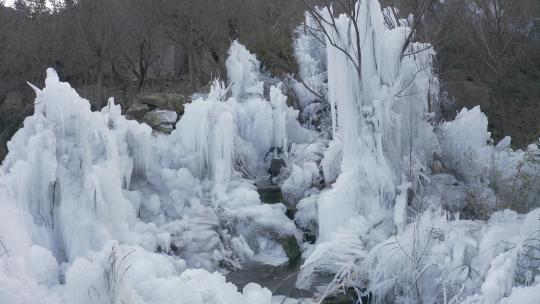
[
  {"x": 307, "y": 213},
  {"x": 300, "y": 180},
  {"x": 44, "y": 265}
]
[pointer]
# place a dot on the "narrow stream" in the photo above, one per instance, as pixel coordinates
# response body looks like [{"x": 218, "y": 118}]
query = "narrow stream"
[{"x": 279, "y": 279}]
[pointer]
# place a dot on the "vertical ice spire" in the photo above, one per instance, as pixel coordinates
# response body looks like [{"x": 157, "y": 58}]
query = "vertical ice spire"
[{"x": 365, "y": 77}]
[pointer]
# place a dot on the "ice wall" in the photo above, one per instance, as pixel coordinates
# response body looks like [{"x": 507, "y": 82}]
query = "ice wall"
[
  {"x": 68, "y": 166},
  {"x": 222, "y": 140},
  {"x": 380, "y": 102}
]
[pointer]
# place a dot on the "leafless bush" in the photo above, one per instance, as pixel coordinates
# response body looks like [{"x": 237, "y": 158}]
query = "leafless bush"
[
  {"x": 528, "y": 262},
  {"x": 520, "y": 192},
  {"x": 3, "y": 250},
  {"x": 112, "y": 279}
]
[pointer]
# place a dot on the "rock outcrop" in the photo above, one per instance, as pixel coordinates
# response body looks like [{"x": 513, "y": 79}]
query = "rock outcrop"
[
  {"x": 161, "y": 120},
  {"x": 164, "y": 101},
  {"x": 160, "y": 111}
]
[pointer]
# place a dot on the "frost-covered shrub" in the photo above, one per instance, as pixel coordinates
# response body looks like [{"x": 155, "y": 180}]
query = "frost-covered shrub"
[
  {"x": 146, "y": 278},
  {"x": 521, "y": 190},
  {"x": 438, "y": 260},
  {"x": 496, "y": 175}
]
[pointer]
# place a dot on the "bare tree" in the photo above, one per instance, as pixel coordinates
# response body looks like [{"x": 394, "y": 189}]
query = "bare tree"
[
  {"x": 139, "y": 49},
  {"x": 494, "y": 28},
  {"x": 96, "y": 23},
  {"x": 193, "y": 25},
  {"x": 31, "y": 8},
  {"x": 326, "y": 24}
]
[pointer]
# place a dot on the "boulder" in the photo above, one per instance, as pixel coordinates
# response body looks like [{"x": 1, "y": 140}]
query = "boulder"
[
  {"x": 137, "y": 111},
  {"x": 269, "y": 193},
  {"x": 291, "y": 248},
  {"x": 275, "y": 167},
  {"x": 164, "y": 101},
  {"x": 161, "y": 120}
]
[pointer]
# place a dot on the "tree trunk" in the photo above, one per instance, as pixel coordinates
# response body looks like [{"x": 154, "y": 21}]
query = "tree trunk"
[{"x": 99, "y": 101}]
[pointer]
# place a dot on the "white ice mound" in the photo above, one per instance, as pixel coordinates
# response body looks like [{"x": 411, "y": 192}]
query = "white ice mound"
[
  {"x": 67, "y": 169},
  {"x": 496, "y": 172}
]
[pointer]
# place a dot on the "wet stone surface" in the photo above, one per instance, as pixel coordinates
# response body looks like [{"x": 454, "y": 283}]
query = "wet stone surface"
[
  {"x": 278, "y": 279},
  {"x": 271, "y": 194}
]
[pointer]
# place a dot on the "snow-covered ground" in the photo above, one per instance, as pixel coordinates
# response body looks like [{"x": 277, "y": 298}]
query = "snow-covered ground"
[{"x": 95, "y": 208}]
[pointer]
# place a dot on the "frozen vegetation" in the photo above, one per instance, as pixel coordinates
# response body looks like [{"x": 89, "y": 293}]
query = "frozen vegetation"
[{"x": 392, "y": 204}]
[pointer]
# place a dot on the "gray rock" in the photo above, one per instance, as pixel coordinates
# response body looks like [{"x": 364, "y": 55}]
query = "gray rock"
[
  {"x": 137, "y": 111},
  {"x": 164, "y": 101},
  {"x": 275, "y": 167},
  {"x": 161, "y": 120},
  {"x": 291, "y": 248}
]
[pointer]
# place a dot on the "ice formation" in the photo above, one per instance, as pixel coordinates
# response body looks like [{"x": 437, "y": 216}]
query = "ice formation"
[
  {"x": 379, "y": 102},
  {"x": 310, "y": 54},
  {"x": 383, "y": 107},
  {"x": 96, "y": 208},
  {"x": 84, "y": 190},
  {"x": 459, "y": 261}
]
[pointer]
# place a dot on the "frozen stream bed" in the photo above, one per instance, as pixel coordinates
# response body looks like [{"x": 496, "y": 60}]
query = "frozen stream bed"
[{"x": 281, "y": 279}]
